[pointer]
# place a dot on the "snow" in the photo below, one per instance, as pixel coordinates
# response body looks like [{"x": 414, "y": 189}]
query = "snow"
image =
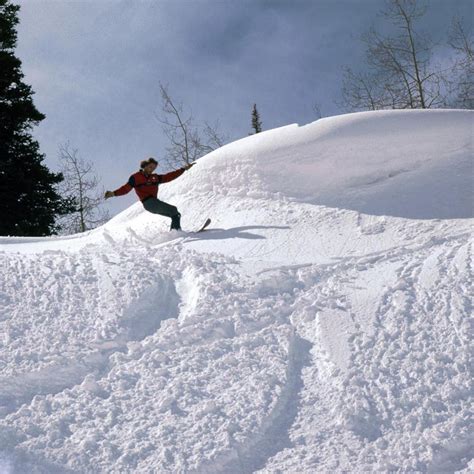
[{"x": 321, "y": 324}]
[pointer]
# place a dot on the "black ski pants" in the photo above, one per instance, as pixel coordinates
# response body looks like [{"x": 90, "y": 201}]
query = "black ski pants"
[{"x": 156, "y": 206}]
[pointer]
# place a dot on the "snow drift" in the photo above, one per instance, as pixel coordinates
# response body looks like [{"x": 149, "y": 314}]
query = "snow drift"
[
  {"x": 415, "y": 164},
  {"x": 320, "y": 325}
]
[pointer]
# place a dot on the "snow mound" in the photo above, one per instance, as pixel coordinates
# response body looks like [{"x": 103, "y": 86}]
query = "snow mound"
[
  {"x": 315, "y": 327},
  {"x": 414, "y": 164}
]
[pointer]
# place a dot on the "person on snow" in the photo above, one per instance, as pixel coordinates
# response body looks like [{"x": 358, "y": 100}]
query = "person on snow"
[{"x": 146, "y": 184}]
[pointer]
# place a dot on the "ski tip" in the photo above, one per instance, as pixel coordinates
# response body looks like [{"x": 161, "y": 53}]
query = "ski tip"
[{"x": 208, "y": 221}]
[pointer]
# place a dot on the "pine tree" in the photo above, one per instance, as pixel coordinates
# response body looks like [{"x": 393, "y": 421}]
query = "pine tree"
[
  {"x": 256, "y": 124},
  {"x": 29, "y": 202}
]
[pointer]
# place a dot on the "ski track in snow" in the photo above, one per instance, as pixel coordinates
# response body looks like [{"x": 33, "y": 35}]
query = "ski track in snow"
[
  {"x": 85, "y": 371},
  {"x": 140, "y": 319},
  {"x": 419, "y": 271},
  {"x": 273, "y": 435},
  {"x": 380, "y": 391}
]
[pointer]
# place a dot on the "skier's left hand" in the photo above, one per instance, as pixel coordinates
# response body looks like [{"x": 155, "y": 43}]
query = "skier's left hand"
[{"x": 188, "y": 165}]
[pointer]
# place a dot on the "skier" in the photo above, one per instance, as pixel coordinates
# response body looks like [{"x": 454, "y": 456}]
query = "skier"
[{"x": 146, "y": 184}]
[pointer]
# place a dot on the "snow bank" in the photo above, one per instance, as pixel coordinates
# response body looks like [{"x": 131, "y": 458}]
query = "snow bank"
[
  {"x": 316, "y": 327},
  {"x": 415, "y": 164}
]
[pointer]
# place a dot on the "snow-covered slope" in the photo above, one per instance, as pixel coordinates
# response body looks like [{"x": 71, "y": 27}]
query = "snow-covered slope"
[{"x": 320, "y": 325}]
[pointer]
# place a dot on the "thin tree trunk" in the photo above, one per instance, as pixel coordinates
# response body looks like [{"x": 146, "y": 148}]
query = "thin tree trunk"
[{"x": 418, "y": 81}]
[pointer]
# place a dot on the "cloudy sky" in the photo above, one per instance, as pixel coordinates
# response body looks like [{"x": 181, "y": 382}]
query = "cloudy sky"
[{"x": 95, "y": 66}]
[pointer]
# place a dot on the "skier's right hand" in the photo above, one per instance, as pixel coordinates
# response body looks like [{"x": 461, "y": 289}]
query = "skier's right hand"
[
  {"x": 109, "y": 194},
  {"x": 187, "y": 166}
]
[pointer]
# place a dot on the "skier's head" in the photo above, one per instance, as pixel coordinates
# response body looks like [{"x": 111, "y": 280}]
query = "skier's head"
[{"x": 149, "y": 165}]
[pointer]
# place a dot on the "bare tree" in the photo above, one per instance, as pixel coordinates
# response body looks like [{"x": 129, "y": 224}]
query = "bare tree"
[
  {"x": 186, "y": 140},
  {"x": 362, "y": 91},
  {"x": 400, "y": 71},
  {"x": 81, "y": 186},
  {"x": 317, "y": 110},
  {"x": 462, "y": 85},
  {"x": 214, "y": 137}
]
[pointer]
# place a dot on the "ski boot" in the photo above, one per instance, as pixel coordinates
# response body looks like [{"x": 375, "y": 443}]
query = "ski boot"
[{"x": 176, "y": 222}]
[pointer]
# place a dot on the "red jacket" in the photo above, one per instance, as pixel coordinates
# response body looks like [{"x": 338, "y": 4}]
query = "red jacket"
[{"x": 147, "y": 186}]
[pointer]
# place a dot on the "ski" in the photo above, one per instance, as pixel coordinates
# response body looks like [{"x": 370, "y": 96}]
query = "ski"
[
  {"x": 179, "y": 234},
  {"x": 208, "y": 221}
]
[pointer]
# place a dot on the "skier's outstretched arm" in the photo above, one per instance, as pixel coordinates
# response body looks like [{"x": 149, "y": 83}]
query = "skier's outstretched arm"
[
  {"x": 126, "y": 188},
  {"x": 166, "y": 178}
]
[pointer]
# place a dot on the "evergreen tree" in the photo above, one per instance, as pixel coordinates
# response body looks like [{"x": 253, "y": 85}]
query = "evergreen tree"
[
  {"x": 29, "y": 202},
  {"x": 256, "y": 124}
]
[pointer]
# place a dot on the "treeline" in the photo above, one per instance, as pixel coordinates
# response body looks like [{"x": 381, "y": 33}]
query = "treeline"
[{"x": 401, "y": 70}]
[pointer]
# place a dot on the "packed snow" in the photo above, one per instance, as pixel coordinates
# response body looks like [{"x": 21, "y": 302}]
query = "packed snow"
[{"x": 321, "y": 324}]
